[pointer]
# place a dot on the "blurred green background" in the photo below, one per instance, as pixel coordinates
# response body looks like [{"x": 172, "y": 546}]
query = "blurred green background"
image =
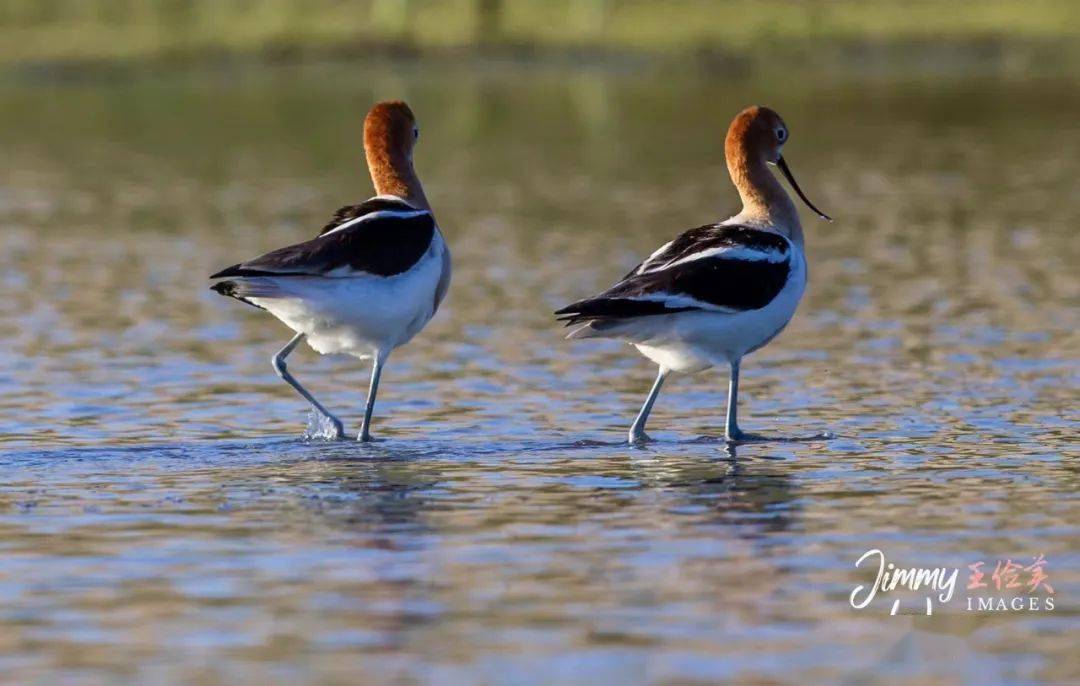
[{"x": 86, "y": 31}]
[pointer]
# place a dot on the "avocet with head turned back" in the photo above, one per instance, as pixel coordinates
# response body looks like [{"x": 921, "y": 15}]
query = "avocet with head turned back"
[
  {"x": 373, "y": 277},
  {"x": 717, "y": 292}
]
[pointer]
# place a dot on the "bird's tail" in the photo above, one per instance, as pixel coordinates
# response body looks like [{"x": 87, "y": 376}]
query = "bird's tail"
[{"x": 244, "y": 289}]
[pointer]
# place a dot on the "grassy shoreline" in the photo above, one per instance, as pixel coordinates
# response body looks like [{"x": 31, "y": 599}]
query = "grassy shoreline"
[{"x": 723, "y": 33}]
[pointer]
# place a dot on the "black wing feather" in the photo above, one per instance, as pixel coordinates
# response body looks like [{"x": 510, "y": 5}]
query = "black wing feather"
[
  {"x": 383, "y": 246},
  {"x": 603, "y": 308},
  {"x": 721, "y": 280}
]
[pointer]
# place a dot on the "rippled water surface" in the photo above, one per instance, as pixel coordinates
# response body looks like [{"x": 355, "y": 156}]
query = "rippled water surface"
[{"x": 162, "y": 518}]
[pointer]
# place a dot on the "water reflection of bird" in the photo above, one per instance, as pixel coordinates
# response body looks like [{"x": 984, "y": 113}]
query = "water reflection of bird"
[
  {"x": 373, "y": 277},
  {"x": 717, "y": 292},
  {"x": 750, "y": 495}
]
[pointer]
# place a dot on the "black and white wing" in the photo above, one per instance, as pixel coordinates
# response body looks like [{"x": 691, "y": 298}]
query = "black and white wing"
[
  {"x": 718, "y": 268},
  {"x": 382, "y": 236}
]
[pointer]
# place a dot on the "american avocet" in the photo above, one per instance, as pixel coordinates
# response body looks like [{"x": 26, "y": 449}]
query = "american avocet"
[
  {"x": 373, "y": 277},
  {"x": 717, "y": 292}
]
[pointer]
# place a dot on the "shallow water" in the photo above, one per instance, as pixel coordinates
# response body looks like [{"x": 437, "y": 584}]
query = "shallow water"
[{"x": 162, "y": 519}]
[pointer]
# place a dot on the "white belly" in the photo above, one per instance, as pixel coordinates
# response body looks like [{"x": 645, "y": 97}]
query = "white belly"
[
  {"x": 364, "y": 316},
  {"x": 693, "y": 341}
]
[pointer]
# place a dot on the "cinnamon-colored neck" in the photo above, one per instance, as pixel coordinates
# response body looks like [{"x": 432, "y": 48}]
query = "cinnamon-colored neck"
[
  {"x": 764, "y": 199},
  {"x": 392, "y": 173}
]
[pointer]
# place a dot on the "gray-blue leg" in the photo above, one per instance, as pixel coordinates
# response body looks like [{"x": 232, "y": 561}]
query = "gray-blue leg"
[
  {"x": 637, "y": 430},
  {"x": 731, "y": 429},
  {"x": 373, "y": 388},
  {"x": 282, "y": 370}
]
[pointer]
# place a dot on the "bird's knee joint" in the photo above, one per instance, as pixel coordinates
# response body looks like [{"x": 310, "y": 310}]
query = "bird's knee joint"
[{"x": 279, "y": 365}]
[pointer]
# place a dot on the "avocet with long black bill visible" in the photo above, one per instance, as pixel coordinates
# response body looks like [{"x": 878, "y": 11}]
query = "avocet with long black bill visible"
[
  {"x": 718, "y": 292},
  {"x": 373, "y": 277}
]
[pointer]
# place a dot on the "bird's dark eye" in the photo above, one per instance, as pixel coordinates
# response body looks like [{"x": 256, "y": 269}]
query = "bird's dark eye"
[
  {"x": 781, "y": 135},
  {"x": 416, "y": 132}
]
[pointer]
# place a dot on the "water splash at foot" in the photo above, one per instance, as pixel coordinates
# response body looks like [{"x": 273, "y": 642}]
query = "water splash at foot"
[{"x": 320, "y": 427}]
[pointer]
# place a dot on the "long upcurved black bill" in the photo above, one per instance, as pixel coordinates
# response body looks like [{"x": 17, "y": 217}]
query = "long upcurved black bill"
[{"x": 791, "y": 179}]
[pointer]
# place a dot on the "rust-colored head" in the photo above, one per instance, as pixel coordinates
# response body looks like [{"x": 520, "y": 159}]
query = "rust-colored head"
[
  {"x": 757, "y": 135},
  {"x": 391, "y": 126},
  {"x": 756, "y": 132},
  {"x": 390, "y": 132}
]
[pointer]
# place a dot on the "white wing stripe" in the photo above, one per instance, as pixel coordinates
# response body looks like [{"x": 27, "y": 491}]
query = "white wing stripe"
[
  {"x": 659, "y": 251},
  {"x": 740, "y": 253},
  {"x": 381, "y": 214},
  {"x": 677, "y": 300}
]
